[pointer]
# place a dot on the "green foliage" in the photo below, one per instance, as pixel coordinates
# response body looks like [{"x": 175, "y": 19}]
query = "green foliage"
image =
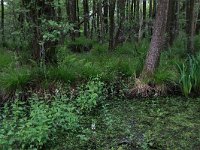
[
  {"x": 185, "y": 80},
  {"x": 53, "y": 30},
  {"x": 190, "y": 75},
  {"x": 179, "y": 47},
  {"x": 197, "y": 42},
  {"x": 99, "y": 49},
  {"x": 151, "y": 124},
  {"x": 42, "y": 122},
  {"x": 6, "y": 59},
  {"x": 12, "y": 79},
  {"x": 31, "y": 126},
  {"x": 165, "y": 76},
  {"x": 90, "y": 95},
  {"x": 82, "y": 41},
  {"x": 167, "y": 72}
]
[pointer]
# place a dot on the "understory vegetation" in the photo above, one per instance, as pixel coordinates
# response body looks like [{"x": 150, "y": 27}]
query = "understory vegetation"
[
  {"x": 99, "y": 74},
  {"x": 90, "y": 117},
  {"x": 82, "y": 102},
  {"x": 176, "y": 70}
]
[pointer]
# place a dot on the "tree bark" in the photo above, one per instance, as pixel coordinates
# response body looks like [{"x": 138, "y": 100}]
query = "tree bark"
[
  {"x": 144, "y": 16},
  {"x": 105, "y": 15},
  {"x": 73, "y": 17},
  {"x": 190, "y": 25},
  {"x": 171, "y": 22},
  {"x": 120, "y": 37},
  {"x": 158, "y": 38},
  {"x": 86, "y": 18},
  {"x": 112, "y": 24},
  {"x": 2, "y": 23}
]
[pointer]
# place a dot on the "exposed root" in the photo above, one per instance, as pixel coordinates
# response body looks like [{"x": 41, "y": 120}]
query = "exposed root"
[{"x": 144, "y": 90}]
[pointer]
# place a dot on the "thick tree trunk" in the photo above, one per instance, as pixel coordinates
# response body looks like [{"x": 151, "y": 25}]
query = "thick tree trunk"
[{"x": 158, "y": 38}]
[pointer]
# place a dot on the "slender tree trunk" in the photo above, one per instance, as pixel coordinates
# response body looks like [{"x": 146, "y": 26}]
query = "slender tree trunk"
[
  {"x": 144, "y": 16},
  {"x": 73, "y": 17},
  {"x": 158, "y": 38},
  {"x": 190, "y": 25},
  {"x": 150, "y": 17},
  {"x": 2, "y": 23},
  {"x": 67, "y": 5},
  {"x": 112, "y": 24},
  {"x": 105, "y": 15},
  {"x": 171, "y": 22},
  {"x": 198, "y": 23},
  {"x": 131, "y": 17},
  {"x": 135, "y": 8},
  {"x": 86, "y": 18},
  {"x": 49, "y": 13},
  {"x": 100, "y": 21},
  {"x": 154, "y": 8},
  {"x": 120, "y": 37},
  {"x": 94, "y": 24},
  {"x": 150, "y": 8},
  {"x": 59, "y": 11}
]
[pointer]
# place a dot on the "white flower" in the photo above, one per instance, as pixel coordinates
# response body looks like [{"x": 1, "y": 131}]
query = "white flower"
[{"x": 93, "y": 126}]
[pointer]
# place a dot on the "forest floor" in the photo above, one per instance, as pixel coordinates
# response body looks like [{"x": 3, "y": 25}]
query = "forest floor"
[
  {"x": 165, "y": 123},
  {"x": 92, "y": 111},
  {"x": 161, "y": 123}
]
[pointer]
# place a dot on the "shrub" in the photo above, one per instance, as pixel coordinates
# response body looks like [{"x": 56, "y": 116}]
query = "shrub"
[
  {"x": 90, "y": 95},
  {"x": 32, "y": 126},
  {"x": 42, "y": 123}
]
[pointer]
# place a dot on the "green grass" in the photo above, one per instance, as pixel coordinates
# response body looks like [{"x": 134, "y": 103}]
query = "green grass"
[
  {"x": 126, "y": 61},
  {"x": 12, "y": 79},
  {"x": 6, "y": 59}
]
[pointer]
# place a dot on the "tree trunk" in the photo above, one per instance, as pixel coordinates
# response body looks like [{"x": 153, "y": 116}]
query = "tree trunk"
[
  {"x": 100, "y": 21},
  {"x": 112, "y": 24},
  {"x": 73, "y": 17},
  {"x": 150, "y": 8},
  {"x": 120, "y": 37},
  {"x": 2, "y": 23},
  {"x": 86, "y": 18},
  {"x": 171, "y": 22},
  {"x": 154, "y": 8},
  {"x": 105, "y": 15},
  {"x": 158, "y": 38},
  {"x": 190, "y": 25},
  {"x": 144, "y": 16}
]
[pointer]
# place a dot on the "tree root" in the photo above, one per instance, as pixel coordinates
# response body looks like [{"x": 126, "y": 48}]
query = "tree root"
[{"x": 144, "y": 90}]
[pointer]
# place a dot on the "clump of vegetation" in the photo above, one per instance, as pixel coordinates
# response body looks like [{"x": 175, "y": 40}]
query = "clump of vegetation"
[
  {"x": 42, "y": 122},
  {"x": 6, "y": 59},
  {"x": 73, "y": 76},
  {"x": 190, "y": 75}
]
